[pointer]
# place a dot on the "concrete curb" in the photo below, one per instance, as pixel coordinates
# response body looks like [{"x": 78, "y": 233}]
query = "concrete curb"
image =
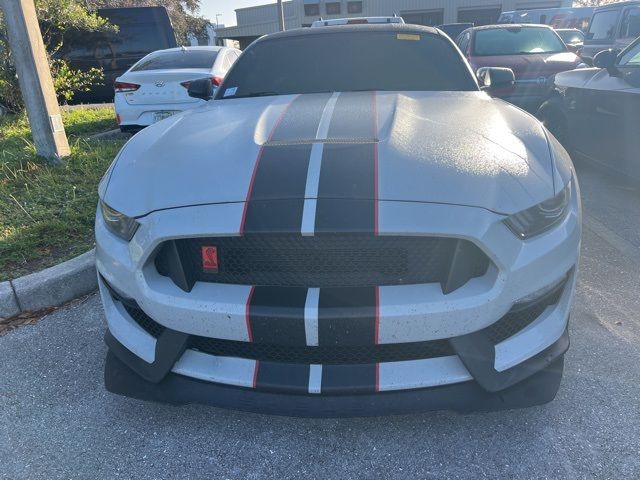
[
  {"x": 50, "y": 287},
  {"x": 108, "y": 135}
]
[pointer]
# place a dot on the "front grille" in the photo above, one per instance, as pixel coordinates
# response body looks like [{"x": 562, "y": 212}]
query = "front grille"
[
  {"x": 349, "y": 260},
  {"x": 149, "y": 325},
  {"x": 325, "y": 355}
]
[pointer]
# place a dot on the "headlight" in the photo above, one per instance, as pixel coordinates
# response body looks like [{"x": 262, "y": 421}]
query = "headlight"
[
  {"x": 118, "y": 223},
  {"x": 542, "y": 217}
]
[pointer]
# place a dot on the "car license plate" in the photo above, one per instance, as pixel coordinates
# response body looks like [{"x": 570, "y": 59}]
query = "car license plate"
[{"x": 157, "y": 116}]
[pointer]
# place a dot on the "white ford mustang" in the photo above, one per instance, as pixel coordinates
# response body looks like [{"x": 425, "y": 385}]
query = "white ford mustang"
[{"x": 350, "y": 227}]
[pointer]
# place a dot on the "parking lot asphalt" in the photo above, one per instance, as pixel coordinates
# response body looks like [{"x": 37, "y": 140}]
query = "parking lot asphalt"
[{"x": 57, "y": 421}]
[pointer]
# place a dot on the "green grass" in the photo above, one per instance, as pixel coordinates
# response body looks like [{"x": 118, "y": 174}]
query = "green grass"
[{"x": 47, "y": 212}]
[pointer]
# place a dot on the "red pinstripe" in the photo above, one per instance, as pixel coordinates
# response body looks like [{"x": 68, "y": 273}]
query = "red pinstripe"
[
  {"x": 255, "y": 373},
  {"x": 377, "y": 336},
  {"x": 247, "y": 314}
]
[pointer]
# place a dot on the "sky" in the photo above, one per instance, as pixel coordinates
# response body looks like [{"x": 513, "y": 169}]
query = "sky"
[{"x": 209, "y": 8}]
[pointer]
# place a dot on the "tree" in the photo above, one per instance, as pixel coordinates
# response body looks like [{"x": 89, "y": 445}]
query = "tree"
[
  {"x": 55, "y": 17},
  {"x": 185, "y": 14}
]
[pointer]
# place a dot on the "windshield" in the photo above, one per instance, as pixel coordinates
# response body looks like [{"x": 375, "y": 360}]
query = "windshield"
[
  {"x": 517, "y": 41},
  {"x": 631, "y": 58},
  {"x": 571, "y": 36},
  {"x": 177, "y": 60},
  {"x": 338, "y": 62}
]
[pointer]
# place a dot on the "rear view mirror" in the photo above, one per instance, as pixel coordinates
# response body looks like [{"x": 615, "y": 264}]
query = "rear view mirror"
[
  {"x": 493, "y": 78},
  {"x": 201, "y": 88},
  {"x": 607, "y": 59}
]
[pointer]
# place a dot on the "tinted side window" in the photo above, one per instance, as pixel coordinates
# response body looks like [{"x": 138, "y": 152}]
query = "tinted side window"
[
  {"x": 603, "y": 25},
  {"x": 141, "y": 30},
  {"x": 630, "y": 27},
  {"x": 339, "y": 62},
  {"x": 632, "y": 57},
  {"x": 176, "y": 59}
]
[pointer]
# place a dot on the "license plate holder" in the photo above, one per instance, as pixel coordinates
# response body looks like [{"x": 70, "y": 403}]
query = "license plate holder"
[{"x": 161, "y": 115}]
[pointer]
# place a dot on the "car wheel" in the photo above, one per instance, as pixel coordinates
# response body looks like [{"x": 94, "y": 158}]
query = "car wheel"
[{"x": 551, "y": 116}]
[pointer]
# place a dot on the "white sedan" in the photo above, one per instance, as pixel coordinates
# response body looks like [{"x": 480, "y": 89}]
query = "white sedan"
[
  {"x": 156, "y": 87},
  {"x": 326, "y": 237}
]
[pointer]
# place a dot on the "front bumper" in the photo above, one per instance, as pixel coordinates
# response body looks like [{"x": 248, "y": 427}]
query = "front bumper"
[
  {"x": 540, "y": 387},
  {"x": 477, "y": 368}
]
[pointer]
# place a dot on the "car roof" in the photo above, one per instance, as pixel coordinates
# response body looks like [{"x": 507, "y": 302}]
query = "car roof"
[
  {"x": 385, "y": 27},
  {"x": 509, "y": 26},
  {"x": 187, "y": 49}
]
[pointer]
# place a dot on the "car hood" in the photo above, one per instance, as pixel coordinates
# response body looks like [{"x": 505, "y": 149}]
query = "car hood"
[
  {"x": 459, "y": 148},
  {"x": 532, "y": 65}
]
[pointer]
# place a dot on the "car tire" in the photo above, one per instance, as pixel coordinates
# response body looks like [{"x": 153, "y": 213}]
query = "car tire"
[{"x": 551, "y": 115}]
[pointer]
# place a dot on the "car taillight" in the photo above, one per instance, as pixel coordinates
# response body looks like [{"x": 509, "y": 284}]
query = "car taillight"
[
  {"x": 215, "y": 81},
  {"x": 125, "y": 87}
]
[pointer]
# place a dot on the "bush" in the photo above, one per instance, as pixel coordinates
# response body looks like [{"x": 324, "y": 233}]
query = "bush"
[{"x": 56, "y": 17}]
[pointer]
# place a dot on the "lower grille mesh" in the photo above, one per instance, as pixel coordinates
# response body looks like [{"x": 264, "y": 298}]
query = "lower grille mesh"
[{"x": 324, "y": 355}]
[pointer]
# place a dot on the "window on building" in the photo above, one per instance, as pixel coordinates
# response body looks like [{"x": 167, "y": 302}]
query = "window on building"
[
  {"x": 312, "y": 8},
  {"x": 430, "y": 18},
  {"x": 354, "y": 7},
  {"x": 333, "y": 8}
]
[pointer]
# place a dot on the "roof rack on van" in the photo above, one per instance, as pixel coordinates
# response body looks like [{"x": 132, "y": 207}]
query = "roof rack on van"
[{"x": 356, "y": 21}]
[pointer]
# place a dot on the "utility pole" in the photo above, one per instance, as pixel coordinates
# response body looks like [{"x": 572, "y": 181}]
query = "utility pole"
[
  {"x": 280, "y": 16},
  {"x": 34, "y": 75}
]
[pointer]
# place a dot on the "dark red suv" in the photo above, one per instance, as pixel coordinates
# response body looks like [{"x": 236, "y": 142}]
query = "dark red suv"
[{"x": 535, "y": 53}]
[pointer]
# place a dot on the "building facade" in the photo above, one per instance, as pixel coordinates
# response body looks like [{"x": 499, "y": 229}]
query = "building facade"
[{"x": 254, "y": 22}]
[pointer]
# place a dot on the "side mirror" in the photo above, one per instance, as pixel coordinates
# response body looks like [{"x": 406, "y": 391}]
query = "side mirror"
[
  {"x": 572, "y": 47},
  {"x": 587, "y": 60},
  {"x": 494, "y": 78},
  {"x": 201, "y": 88},
  {"x": 607, "y": 59}
]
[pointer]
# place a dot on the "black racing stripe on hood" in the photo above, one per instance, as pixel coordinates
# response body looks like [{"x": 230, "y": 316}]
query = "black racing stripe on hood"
[
  {"x": 347, "y": 316},
  {"x": 277, "y": 196},
  {"x": 353, "y": 117},
  {"x": 347, "y": 190},
  {"x": 302, "y": 118},
  {"x": 276, "y": 315},
  {"x": 281, "y": 170}
]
